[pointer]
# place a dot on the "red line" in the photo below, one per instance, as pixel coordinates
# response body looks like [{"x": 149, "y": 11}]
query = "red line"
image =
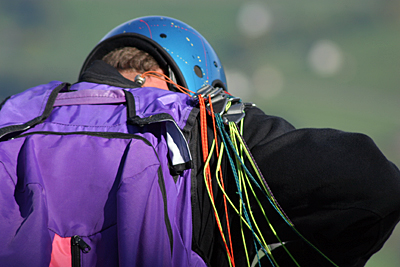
[{"x": 151, "y": 37}]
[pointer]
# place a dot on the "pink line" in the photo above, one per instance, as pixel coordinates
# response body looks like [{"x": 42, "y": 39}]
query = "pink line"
[{"x": 151, "y": 37}]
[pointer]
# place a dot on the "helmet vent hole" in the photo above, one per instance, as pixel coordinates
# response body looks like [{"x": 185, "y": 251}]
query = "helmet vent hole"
[
  {"x": 198, "y": 71},
  {"x": 216, "y": 64},
  {"x": 163, "y": 35}
]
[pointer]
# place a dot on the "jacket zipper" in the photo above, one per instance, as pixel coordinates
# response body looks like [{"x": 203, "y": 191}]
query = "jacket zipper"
[{"x": 78, "y": 245}]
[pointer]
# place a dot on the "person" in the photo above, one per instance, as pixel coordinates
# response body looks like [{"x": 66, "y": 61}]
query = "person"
[
  {"x": 131, "y": 62},
  {"x": 337, "y": 188}
]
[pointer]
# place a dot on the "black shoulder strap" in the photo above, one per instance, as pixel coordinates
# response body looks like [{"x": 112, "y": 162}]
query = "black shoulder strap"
[
  {"x": 4, "y": 101},
  {"x": 130, "y": 105},
  {"x": 46, "y": 113}
]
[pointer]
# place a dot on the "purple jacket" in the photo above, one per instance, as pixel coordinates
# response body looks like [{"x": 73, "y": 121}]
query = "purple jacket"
[{"x": 82, "y": 187}]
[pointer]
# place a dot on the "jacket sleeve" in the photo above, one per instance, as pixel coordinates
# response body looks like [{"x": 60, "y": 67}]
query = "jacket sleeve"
[
  {"x": 337, "y": 188},
  {"x": 260, "y": 128}
]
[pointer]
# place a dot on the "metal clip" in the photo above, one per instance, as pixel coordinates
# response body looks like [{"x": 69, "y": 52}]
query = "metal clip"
[
  {"x": 235, "y": 113},
  {"x": 140, "y": 80},
  {"x": 219, "y": 103},
  {"x": 205, "y": 90}
]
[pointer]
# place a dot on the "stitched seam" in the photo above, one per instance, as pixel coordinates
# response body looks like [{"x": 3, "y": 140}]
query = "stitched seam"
[{"x": 4, "y": 166}]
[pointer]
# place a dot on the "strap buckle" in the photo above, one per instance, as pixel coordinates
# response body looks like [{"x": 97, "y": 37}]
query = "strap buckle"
[{"x": 220, "y": 100}]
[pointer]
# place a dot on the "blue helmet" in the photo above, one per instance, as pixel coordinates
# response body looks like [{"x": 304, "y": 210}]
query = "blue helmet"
[{"x": 182, "y": 52}]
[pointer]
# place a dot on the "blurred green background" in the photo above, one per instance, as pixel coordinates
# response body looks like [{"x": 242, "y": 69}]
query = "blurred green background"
[{"x": 316, "y": 63}]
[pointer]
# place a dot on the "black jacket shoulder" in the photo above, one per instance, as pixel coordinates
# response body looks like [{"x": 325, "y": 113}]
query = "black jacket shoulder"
[{"x": 260, "y": 128}]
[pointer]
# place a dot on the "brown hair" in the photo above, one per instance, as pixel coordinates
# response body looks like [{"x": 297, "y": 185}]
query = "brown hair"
[{"x": 131, "y": 58}]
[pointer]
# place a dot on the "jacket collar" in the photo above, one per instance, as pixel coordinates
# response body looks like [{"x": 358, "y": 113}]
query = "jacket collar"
[{"x": 102, "y": 73}]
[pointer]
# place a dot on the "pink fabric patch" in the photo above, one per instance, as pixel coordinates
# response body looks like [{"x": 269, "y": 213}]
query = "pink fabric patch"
[
  {"x": 61, "y": 252},
  {"x": 90, "y": 97}
]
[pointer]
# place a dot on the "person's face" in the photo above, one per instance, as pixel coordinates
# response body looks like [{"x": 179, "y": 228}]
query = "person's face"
[{"x": 150, "y": 81}]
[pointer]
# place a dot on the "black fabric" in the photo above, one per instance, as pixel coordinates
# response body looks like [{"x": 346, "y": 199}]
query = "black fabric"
[
  {"x": 161, "y": 183},
  {"x": 338, "y": 189},
  {"x": 130, "y": 105},
  {"x": 102, "y": 73},
  {"x": 206, "y": 240},
  {"x": 152, "y": 119}
]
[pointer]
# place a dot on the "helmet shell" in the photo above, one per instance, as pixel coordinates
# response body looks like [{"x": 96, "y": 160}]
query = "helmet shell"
[{"x": 180, "y": 50}]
